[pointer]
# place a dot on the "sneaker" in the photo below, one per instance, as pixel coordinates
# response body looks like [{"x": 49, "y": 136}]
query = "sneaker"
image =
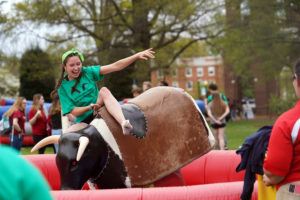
[{"x": 126, "y": 127}]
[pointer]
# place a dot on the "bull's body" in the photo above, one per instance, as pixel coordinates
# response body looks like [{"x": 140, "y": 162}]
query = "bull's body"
[{"x": 169, "y": 132}]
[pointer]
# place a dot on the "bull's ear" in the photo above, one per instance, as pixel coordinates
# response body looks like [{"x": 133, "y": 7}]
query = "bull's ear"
[
  {"x": 83, "y": 142},
  {"x": 44, "y": 142}
]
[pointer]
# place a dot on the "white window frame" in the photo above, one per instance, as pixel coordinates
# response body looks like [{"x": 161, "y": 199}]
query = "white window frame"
[
  {"x": 187, "y": 85},
  {"x": 175, "y": 84},
  {"x": 211, "y": 71},
  {"x": 187, "y": 70},
  {"x": 200, "y": 71}
]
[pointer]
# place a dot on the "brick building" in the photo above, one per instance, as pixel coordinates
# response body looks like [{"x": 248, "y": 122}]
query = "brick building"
[{"x": 193, "y": 74}]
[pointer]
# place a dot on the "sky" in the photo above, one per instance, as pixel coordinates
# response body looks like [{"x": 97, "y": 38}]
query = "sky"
[{"x": 18, "y": 43}]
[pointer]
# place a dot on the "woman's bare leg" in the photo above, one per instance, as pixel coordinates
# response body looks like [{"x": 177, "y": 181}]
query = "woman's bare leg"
[
  {"x": 215, "y": 133},
  {"x": 221, "y": 138},
  {"x": 113, "y": 107}
]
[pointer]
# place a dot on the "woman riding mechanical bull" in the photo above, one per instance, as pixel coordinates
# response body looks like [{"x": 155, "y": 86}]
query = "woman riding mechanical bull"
[{"x": 136, "y": 144}]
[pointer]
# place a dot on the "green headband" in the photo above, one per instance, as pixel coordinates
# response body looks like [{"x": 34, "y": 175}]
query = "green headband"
[{"x": 73, "y": 51}]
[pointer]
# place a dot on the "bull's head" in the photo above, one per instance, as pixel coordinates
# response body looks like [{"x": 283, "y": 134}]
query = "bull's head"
[{"x": 80, "y": 156}]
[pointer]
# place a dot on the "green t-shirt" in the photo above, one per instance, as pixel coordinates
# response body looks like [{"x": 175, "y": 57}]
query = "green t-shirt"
[
  {"x": 19, "y": 180},
  {"x": 86, "y": 91},
  {"x": 209, "y": 98}
]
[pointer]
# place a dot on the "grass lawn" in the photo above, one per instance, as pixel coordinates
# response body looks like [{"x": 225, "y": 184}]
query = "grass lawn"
[
  {"x": 236, "y": 133},
  {"x": 26, "y": 151}
]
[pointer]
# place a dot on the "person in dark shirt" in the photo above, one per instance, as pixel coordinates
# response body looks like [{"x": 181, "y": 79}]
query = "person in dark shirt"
[{"x": 54, "y": 118}]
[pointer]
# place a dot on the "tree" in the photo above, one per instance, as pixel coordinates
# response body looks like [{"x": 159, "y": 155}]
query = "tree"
[
  {"x": 36, "y": 74},
  {"x": 255, "y": 40},
  {"x": 134, "y": 25}
]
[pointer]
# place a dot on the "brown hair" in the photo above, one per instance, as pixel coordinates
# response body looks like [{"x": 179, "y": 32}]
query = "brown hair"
[
  {"x": 213, "y": 87},
  {"x": 218, "y": 106},
  {"x": 147, "y": 84},
  {"x": 36, "y": 98},
  {"x": 59, "y": 81},
  {"x": 16, "y": 106},
  {"x": 137, "y": 90},
  {"x": 55, "y": 107}
]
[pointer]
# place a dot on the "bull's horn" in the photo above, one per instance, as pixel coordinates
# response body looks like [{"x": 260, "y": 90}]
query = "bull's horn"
[
  {"x": 44, "y": 142},
  {"x": 83, "y": 142}
]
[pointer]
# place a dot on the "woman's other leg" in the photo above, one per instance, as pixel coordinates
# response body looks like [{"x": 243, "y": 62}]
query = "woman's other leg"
[
  {"x": 215, "y": 133},
  {"x": 221, "y": 138}
]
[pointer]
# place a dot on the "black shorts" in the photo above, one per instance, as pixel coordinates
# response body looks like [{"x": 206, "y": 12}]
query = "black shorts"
[
  {"x": 216, "y": 126},
  {"x": 89, "y": 118}
]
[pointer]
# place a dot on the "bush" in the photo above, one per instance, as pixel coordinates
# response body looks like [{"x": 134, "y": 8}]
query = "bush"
[
  {"x": 278, "y": 105},
  {"x": 36, "y": 74}
]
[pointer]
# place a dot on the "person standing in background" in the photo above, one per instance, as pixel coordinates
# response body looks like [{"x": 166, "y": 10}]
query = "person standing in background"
[
  {"x": 17, "y": 118},
  {"x": 213, "y": 89},
  {"x": 38, "y": 120},
  {"x": 146, "y": 85},
  {"x": 136, "y": 91},
  {"x": 54, "y": 118},
  {"x": 217, "y": 110}
]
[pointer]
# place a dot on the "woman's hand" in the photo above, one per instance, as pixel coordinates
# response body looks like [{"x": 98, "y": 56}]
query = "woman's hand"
[
  {"x": 38, "y": 114},
  {"x": 266, "y": 180},
  {"x": 95, "y": 107},
  {"x": 218, "y": 122},
  {"x": 21, "y": 134},
  {"x": 146, "y": 54},
  {"x": 125, "y": 62}
]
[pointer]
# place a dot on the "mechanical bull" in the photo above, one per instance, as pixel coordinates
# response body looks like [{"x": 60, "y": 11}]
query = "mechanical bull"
[{"x": 169, "y": 131}]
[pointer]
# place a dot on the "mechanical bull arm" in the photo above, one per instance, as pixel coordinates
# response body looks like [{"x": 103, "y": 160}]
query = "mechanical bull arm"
[{"x": 169, "y": 131}]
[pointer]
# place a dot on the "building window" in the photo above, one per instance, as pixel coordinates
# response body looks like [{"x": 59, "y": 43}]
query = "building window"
[
  {"x": 189, "y": 85},
  {"x": 159, "y": 73},
  {"x": 199, "y": 81},
  {"x": 174, "y": 72},
  {"x": 200, "y": 71},
  {"x": 175, "y": 84},
  {"x": 188, "y": 72},
  {"x": 211, "y": 71}
]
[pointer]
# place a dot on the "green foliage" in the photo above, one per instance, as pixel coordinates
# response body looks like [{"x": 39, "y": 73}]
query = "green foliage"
[
  {"x": 256, "y": 42},
  {"x": 278, "y": 105},
  {"x": 126, "y": 24},
  {"x": 287, "y": 99},
  {"x": 36, "y": 74},
  {"x": 119, "y": 83}
]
